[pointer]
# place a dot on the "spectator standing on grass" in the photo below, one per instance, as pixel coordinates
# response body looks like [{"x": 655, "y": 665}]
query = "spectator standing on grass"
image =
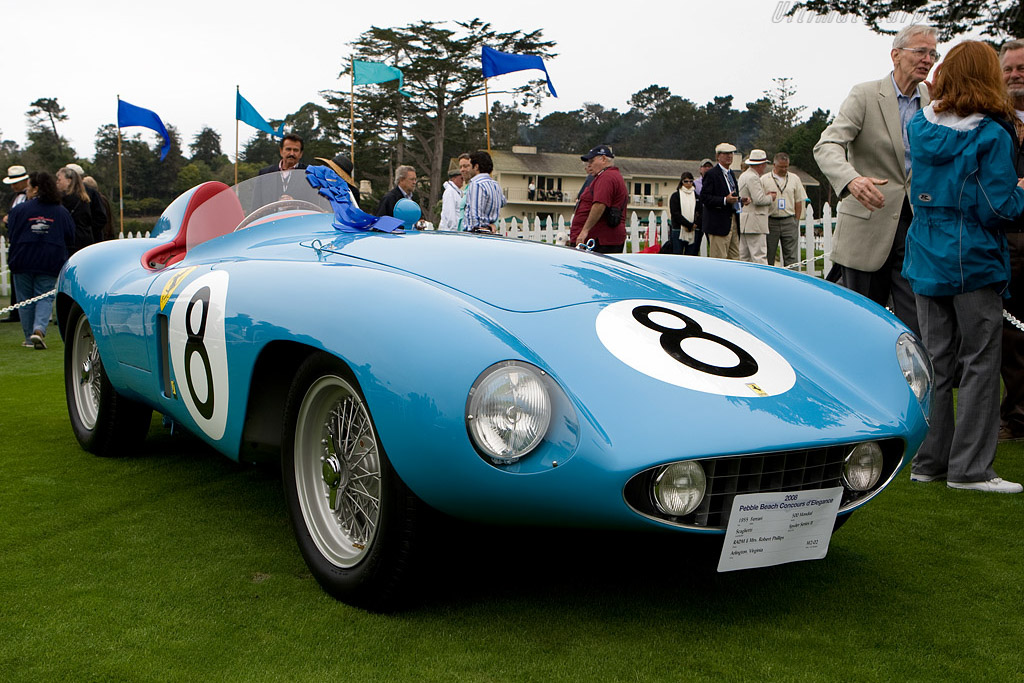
[
  {"x": 601, "y": 209},
  {"x": 451, "y": 199},
  {"x": 693, "y": 249},
  {"x": 1011, "y": 411},
  {"x": 684, "y": 207},
  {"x": 108, "y": 231},
  {"x": 866, "y": 155},
  {"x": 99, "y": 208},
  {"x": 484, "y": 197},
  {"x": 720, "y": 197},
  {"x": 756, "y": 207},
  {"x": 76, "y": 201},
  {"x": 42, "y": 234},
  {"x": 405, "y": 183},
  {"x": 787, "y": 208},
  {"x": 957, "y": 261},
  {"x": 17, "y": 179}
]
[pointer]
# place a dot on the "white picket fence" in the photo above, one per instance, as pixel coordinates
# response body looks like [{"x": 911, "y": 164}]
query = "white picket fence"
[{"x": 815, "y": 238}]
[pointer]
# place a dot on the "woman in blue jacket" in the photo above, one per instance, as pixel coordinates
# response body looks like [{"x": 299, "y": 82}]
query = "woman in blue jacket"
[
  {"x": 42, "y": 233},
  {"x": 963, "y": 187}
]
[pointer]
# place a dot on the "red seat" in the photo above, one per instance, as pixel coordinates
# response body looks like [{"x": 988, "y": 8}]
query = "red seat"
[{"x": 213, "y": 210}]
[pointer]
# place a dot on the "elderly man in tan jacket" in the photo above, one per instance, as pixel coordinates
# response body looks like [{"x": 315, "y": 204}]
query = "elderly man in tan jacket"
[
  {"x": 754, "y": 217},
  {"x": 865, "y": 155}
]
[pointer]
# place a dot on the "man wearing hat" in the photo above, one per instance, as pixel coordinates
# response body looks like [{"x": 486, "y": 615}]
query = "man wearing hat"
[
  {"x": 757, "y": 204},
  {"x": 17, "y": 178},
  {"x": 601, "y": 210},
  {"x": 720, "y": 196},
  {"x": 452, "y": 195}
]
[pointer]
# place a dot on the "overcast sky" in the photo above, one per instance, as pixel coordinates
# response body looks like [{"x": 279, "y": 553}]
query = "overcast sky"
[{"x": 184, "y": 59}]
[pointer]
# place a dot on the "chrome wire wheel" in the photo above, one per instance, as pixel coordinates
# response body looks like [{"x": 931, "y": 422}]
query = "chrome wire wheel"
[
  {"x": 337, "y": 471},
  {"x": 88, "y": 373}
]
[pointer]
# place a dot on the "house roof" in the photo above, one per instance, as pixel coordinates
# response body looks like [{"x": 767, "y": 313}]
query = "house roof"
[{"x": 569, "y": 165}]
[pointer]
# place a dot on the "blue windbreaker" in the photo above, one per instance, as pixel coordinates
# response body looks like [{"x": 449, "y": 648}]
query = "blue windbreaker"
[{"x": 963, "y": 187}]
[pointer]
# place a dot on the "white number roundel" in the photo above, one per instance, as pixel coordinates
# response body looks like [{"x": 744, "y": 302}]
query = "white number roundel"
[
  {"x": 691, "y": 349},
  {"x": 198, "y": 351}
]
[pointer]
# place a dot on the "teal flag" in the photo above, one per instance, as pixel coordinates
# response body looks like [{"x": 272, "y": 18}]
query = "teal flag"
[
  {"x": 367, "y": 73},
  {"x": 246, "y": 113}
]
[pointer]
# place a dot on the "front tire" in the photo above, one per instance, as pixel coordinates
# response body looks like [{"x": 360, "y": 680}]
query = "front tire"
[
  {"x": 354, "y": 519},
  {"x": 104, "y": 422}
]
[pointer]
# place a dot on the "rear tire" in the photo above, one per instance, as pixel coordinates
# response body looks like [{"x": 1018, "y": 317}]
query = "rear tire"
[
  {"x": 104, "y": 422},
  {"x": 355, "y": 521}
]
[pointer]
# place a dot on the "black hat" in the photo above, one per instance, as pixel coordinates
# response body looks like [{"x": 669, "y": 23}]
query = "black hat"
[
  {"x": 599, "y": 151},
  {"x": 341, "y": 165}
]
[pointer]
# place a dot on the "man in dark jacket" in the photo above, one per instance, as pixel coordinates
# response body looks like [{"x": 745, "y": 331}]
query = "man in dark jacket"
[
  {"x": 405, "y": 183},
  {"x": 1011, "y": 411},
  {"x": 281, "y": 182}
]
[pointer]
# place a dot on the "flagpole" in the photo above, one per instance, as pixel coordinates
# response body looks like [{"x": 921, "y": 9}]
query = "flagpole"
[
  {"x": 237, "y": 94},
  {"x": 352, "y": 116},
  {"x": 120, "y": 175},
  {"x": 487, "y": 116}
]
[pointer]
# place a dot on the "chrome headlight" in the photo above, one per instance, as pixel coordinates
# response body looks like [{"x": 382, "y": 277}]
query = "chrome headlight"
[
  {"x": 680, "y": 487},
  {"x": 508, "y": 411},
  {"x": 917, "y": 369},
  {"x": 863, "y": 467}
]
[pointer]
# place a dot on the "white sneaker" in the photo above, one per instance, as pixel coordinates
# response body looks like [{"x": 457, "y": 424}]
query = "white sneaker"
[
  {"x": 995, "y": 485},
  {"x": 916, "y": 476}
]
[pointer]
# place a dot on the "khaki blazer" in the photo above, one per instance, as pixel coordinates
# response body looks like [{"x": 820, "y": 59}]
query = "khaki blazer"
[
  {"x": 866, "y": 139},
  {"x": 754, "y": 217}
]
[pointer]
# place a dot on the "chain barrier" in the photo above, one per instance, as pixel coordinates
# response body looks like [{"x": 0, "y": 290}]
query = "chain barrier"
[
  {"x": 20, "y": 304},
  {"x": 1013, "y": 321}
]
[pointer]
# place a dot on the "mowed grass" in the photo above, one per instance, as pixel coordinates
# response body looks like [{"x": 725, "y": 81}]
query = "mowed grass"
[{"x": 179, "y": 565}]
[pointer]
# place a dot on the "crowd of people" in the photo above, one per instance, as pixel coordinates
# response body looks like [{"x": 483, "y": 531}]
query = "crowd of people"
[{"x": 50, "y": 218}]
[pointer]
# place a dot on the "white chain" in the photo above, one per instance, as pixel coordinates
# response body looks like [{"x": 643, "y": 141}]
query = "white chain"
[
  {"x": 810, "y": 260},
  {"x": 1013, "y": 321},
  {"x": 26, "y": 303}
]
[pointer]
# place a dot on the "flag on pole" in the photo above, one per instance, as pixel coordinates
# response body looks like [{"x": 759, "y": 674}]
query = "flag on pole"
[
  {"x": 129, "y": 115},
  {"x": 496, "y": 63},
  {"x": 247, "y": 114},
  {"x": 367, "y": 73}
]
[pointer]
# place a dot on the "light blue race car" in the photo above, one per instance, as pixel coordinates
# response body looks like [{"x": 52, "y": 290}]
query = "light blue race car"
[{"x": 488, "y": 378}]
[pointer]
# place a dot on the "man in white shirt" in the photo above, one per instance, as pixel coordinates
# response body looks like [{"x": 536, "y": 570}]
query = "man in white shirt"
[
  {"x": 788, "y": 206},
  {"x": 450, "y": 200}
]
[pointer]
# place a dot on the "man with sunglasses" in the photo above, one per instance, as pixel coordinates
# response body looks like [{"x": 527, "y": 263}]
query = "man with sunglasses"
[{"x": 865, "y": 154}]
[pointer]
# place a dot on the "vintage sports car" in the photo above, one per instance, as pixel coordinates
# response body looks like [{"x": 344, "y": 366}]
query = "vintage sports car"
[{"x": 485, "y": 377}]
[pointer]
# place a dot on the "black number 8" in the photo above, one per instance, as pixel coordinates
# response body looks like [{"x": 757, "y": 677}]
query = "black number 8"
[
  {"x": 195, "y": 344},
  {"x": 672, "y": 338}
]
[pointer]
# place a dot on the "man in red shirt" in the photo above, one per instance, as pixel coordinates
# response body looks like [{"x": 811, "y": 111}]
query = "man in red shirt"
[{"x": 601, "y": 210}]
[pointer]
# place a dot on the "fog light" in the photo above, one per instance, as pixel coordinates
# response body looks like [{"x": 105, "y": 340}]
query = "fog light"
[
  {"x": 679, "y": 489},
  {"x": 863, "y": 467}
]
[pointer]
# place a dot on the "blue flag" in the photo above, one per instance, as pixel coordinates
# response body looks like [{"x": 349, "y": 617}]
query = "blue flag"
[
  {"x": 247, "y": 114},
  {"x": 129, "y": 115},
  {"x": 496, "y": 63},
  {"x": 368, "y": 73}
]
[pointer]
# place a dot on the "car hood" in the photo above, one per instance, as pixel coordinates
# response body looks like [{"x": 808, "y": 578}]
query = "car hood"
[{"x": 506, "y": 273}]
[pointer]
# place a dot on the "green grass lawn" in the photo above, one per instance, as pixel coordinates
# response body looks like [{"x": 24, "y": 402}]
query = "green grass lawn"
[{"x": 179, "y": 565}]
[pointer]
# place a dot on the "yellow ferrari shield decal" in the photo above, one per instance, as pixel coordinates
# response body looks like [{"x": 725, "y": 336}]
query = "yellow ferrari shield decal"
[
  {"x": 173, "y": 284},
  {"x": 756, "y": 389}
]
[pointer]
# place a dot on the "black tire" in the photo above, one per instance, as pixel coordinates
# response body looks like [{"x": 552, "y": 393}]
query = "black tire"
[
  {"x": 354, "y": 519},
  {"x": 104, "y": 422}
]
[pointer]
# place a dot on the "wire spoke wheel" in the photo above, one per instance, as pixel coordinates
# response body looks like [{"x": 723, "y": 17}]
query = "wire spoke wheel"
[
  {"x": 87, "y": 373},
  {"x": 337, "y": 471}
]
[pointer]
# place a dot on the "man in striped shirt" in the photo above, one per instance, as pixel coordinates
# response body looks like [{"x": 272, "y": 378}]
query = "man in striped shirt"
[{"x": 484, "y": 197}]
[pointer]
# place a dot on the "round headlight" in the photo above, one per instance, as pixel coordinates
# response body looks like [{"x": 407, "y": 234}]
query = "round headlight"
[
  {"x": 863, "y": 467},
  {"x": 679, "y": 489},
  {"x": 508, "y": 411},
  {"x": 917, "y": 369}
]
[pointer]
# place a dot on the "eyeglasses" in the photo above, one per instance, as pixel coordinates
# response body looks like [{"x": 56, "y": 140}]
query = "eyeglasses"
[{"x": 921, "y": 52}]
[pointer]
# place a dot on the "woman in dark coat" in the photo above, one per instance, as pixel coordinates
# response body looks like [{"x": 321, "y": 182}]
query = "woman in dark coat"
[
  {"x": 76, "y": 201},
  {"x": 41, "y": 232}
]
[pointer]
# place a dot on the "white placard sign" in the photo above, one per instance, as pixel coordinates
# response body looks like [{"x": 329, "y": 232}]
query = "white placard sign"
[{"x": 766, "y": 529}]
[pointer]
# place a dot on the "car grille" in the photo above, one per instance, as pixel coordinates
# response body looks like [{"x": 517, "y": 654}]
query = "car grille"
[{"x": 729, "y": 476}]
